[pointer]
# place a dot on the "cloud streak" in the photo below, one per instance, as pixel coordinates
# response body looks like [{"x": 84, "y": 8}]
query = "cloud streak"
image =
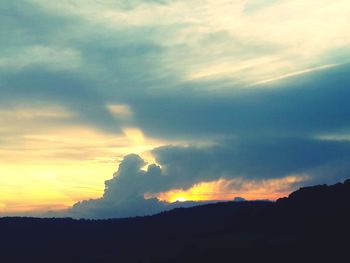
[
  {"x": 267, "y": 169},
  {"x": 256, "y": 90}
]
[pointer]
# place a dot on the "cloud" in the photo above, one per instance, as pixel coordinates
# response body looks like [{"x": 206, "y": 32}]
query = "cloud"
[
  {"x": 251, "y": 168},
  {"x": 132, "y": 57},
  {"x": 262, "y": 158},
  {"x": 182, "y": 71},
  {"x": 124, "y": 193},
  {"x": 55, "y": 59},
  {"x": 305, "y": 107},
  {"x": 252, "y": 6},
  {"x": 37, "y": 86}
]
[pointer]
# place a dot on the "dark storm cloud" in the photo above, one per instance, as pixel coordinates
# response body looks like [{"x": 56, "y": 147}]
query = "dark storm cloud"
[
  {"x": 309, "y": 105},
  {"x": 125, "y": 66},
  {"x": 43, "y": 87},
  {"x": 315, "y": 105},
  {"x": 47, "y": 58},
  {"x": 260, "y": 132},
  {"x": 263, "y": 158},
  {"x": 182, "y": 167},
  {"x": 23, "y": 23}
]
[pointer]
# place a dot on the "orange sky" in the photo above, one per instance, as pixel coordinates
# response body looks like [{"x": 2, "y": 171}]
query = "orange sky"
[{"x": 223, "y": 189}]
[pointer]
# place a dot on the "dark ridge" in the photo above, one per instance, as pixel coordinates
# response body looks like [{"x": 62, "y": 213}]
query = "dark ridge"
[{"x": 310, "y": 225}]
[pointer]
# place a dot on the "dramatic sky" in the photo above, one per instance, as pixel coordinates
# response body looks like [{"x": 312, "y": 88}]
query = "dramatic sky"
[{"x": 120, "y": 107}]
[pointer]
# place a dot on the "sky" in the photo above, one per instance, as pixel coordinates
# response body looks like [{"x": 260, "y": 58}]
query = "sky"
[{"x": 113, "y": 108}]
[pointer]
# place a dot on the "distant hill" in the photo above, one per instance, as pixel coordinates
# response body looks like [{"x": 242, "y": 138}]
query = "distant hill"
[{"x": 311, "y": 225}]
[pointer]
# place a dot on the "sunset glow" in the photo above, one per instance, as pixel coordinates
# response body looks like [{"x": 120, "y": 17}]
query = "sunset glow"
[
  {"x": 224, "y": 189},
  {"x": 110, "y": 107},
  {"x": 59, "y": 165}
]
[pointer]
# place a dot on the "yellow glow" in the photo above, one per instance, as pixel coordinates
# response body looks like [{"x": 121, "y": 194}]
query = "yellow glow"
[
  {"x": 28, "y": 186},
  {"x": 48, "y": 165},
  {"x": 180, "y": 199},
  {"x": 2, "y": 207},
  {"x": 135, "y": 135},
  {"x": 21, "y": 113},
  {"x": 228, "y": 69},
  {"x": 224, "y": 189}
]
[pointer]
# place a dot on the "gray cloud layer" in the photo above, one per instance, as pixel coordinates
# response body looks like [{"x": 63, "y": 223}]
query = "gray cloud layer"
[
  {"x": 129, "y": 64},
  {"x": 182, "y": 167},
  {"x": 260, "y": 132},
  {"x": 313, "y": 104}
]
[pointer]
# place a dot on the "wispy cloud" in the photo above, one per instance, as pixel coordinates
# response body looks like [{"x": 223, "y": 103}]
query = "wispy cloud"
[
  {"x": 85, "y": 83},
  {"x": 294, "y": 74}
]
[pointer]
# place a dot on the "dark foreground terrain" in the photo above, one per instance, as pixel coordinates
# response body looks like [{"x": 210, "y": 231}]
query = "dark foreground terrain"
[{"x": 311, "y": 225}]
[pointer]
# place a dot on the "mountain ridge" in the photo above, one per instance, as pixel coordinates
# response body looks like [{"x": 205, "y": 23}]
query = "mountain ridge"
[{"x": 310, "y": 224}]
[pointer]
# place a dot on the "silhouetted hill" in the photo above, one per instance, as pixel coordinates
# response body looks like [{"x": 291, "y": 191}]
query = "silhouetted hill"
[{"x": 310, "y": 225}]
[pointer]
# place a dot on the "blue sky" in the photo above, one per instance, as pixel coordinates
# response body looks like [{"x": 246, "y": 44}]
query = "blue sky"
[{"x": 245, "y": 97}]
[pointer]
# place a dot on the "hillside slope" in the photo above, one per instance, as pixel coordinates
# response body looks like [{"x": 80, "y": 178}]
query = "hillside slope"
[{"x": 311, "y": 224}]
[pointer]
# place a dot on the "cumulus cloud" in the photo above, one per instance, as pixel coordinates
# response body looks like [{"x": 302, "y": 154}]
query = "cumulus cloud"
[
  {"x": 294, "y": 161},
  {"x": 124, "y": 193},
  {"x": 184, "y": 70}
]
